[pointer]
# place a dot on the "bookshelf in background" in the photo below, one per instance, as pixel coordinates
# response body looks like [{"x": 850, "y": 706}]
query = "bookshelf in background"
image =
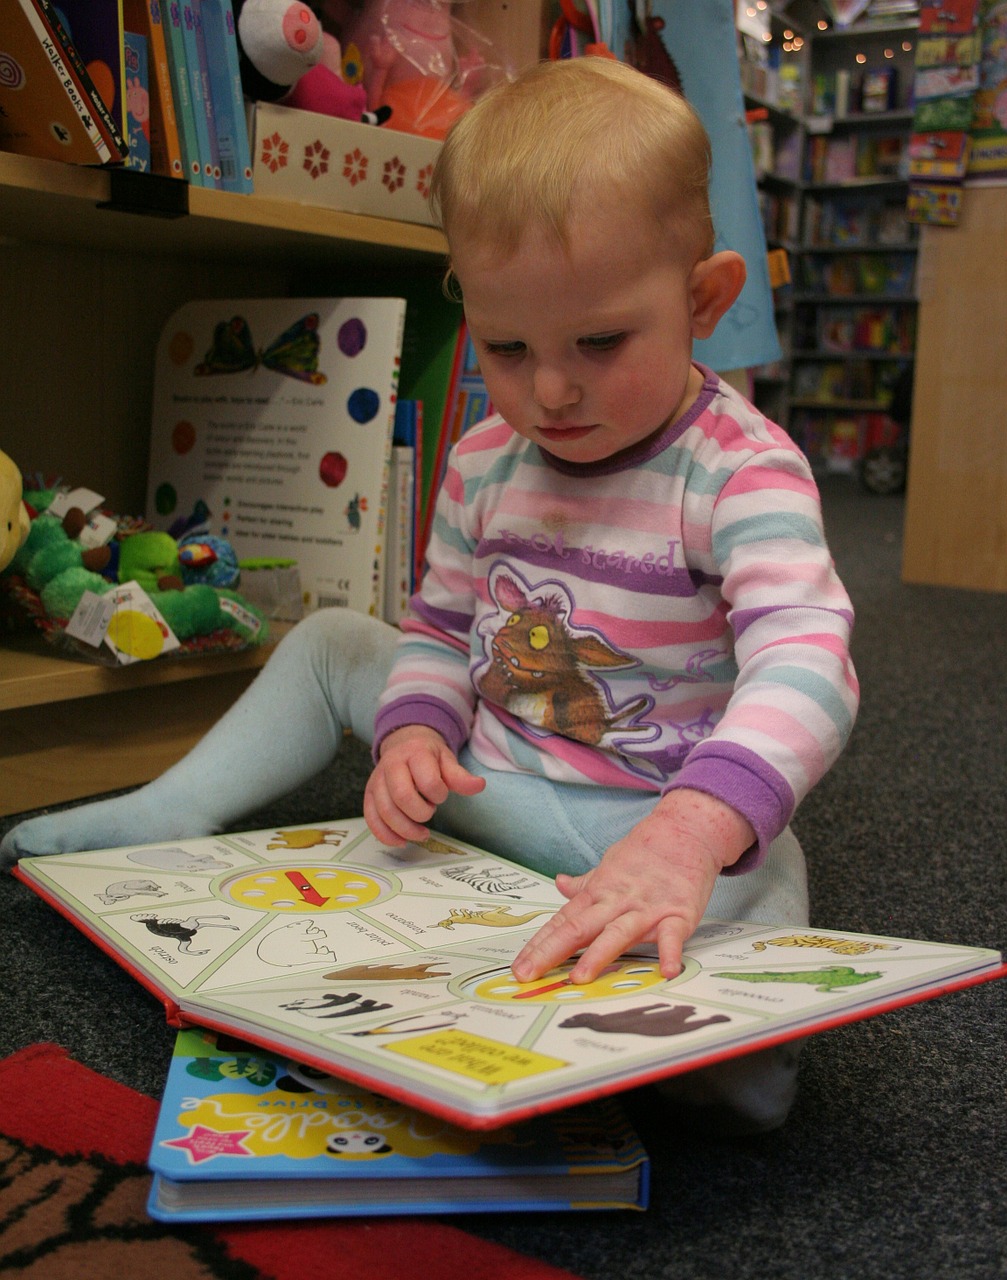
[
  {"x": 773, "y": 58},
  {"x": 853, "y": 325},
  {"x": 70, "y": 728}
]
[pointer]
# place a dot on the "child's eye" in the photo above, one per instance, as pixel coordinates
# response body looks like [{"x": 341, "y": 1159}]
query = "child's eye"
[
  {"x": 504, "y": 348},
  {"x": 602, "y": 341}
]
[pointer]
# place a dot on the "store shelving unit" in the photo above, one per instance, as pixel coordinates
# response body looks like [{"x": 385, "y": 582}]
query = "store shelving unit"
[
  {"x": 847, "y": 322},
  {"x": 85, "y": 289}
]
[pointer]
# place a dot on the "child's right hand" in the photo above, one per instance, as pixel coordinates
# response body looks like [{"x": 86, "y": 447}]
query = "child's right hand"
[{"x": 415, "y": 773}]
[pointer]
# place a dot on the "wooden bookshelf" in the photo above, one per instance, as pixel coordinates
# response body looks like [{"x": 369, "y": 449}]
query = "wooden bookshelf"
[{"x": 85, "y": 291}]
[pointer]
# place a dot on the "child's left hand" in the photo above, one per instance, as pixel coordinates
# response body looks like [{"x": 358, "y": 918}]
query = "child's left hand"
[{"x": 651, "y": 886}]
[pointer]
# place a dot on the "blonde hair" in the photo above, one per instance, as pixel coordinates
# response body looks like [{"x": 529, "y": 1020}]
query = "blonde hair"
[{"x": 531, "y": 151}]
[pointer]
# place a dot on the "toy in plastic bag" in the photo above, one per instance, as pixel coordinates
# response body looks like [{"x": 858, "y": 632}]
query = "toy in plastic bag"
[{"x": 415, "y": 58}]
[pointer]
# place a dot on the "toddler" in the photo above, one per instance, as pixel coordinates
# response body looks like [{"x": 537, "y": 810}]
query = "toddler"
[{"x": 628, "y": 659}]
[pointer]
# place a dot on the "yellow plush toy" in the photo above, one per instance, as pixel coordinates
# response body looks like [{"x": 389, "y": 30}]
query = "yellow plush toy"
[{"x": 14, "y": 519}]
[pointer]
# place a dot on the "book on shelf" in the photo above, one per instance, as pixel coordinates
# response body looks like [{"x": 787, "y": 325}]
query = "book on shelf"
[
  {"x": 216, "y": 23},
  {"x": 199, "y": 94},
  {"x": 178, "y": 69},
  {"x": 49, "y": 104},
  {"x": 466, "y": 403},
  {"x": 137, "y": 102},
  {"x": 95, "y": 28},
  {"x": 247, "y": 1134},
  {"x": 390, "y": 968},
  {"x": 145, "y": 18},
  {"x": 400, "y": 540},
  {"x": 272, "y": 427}
]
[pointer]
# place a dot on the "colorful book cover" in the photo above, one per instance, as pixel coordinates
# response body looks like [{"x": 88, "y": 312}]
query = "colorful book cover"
[
  {"x": 185, "y": 114},
  {"x": 96, "y": 29},
  {"x": 216, "y": 20},
  {"x": 272, "y": 424},
  {"x": 390, "y": 968},
  {"x": 988, "y": 156},
  {"x": 49, "y": 105},
  {"x": 137, "y": 101},
  {"x": 939, "y": 154},
  {"x": 145, "y": 18},
  {"x": 245, "y": 1134}
]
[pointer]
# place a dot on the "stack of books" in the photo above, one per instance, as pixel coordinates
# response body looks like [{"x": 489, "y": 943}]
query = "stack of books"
[{"x": 130, "y": 82}]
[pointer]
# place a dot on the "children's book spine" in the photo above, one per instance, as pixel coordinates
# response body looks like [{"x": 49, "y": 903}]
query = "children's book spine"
[
  {"x": 73, "y": 75},
  {"x": 137, "y": 101},
  {"x": 416, "y": 568},
  {"x": 194, "y": 72},
  {"x": 95, "y": 28},
  {"x": 221, "y": 42},
  {"x": 174, "y": 39},
  {"x": 400, "y": 541},
  {"x": 209, "y": 109},
  {"x": 440, "y": 445},
  {"x": 145, "y": 17}
]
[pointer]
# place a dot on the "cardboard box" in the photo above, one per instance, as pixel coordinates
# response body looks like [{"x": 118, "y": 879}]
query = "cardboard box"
[{"x": 340, "y": 164}]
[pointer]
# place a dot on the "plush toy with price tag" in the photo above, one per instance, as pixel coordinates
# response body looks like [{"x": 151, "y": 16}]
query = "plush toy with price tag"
[{"x": 116, "y": 590}]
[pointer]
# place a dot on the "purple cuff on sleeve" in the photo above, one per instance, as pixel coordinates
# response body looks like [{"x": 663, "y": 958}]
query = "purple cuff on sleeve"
[
  {"x": 431, "y": 712},
  {"x": 748, "y": 784}
]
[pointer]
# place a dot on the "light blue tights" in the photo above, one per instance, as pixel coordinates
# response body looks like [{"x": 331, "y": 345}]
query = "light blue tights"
[{"x": 324, "y": 680}]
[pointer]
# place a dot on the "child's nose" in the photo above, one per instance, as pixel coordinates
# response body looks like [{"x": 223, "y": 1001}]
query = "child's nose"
[{"x": 553, "y": 389}]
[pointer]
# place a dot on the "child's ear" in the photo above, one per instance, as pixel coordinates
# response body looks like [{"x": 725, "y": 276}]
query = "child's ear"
[{"x": 714, "y": 285}]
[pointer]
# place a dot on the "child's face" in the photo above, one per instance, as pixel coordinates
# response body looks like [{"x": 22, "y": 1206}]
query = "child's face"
[{"x": 588, "y": 351}]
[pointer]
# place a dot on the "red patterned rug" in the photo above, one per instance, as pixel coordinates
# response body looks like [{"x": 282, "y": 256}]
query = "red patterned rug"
[{"x": 74, "y": 1185}]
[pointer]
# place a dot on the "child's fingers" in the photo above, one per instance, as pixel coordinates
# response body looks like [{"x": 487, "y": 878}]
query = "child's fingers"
[
  {"x": 574, "y": 926},
  {"x": 672, "y": 935},
  {"x": 458, "y": 778},
  {"x": 389, "y": 820}
]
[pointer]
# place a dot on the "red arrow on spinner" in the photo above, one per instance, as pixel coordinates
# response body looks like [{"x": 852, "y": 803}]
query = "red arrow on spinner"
[{"x": 307, "y": 891}]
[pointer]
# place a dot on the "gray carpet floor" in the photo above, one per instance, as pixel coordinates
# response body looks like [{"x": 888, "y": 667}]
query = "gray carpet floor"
[{"x": 894, "y": 1161}]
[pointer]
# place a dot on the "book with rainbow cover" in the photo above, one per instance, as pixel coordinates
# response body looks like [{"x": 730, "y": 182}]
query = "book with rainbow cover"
[
  {"x": 246, "y": 1134},
  {"x": 390, "y": 968}
]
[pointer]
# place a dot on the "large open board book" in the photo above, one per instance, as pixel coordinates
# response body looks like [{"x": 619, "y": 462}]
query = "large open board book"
[{"x": 390, "y": 968}]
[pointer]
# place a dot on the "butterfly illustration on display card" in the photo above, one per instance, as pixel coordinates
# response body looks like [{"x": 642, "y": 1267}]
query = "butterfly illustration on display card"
[{"x": 294, "y": 352}]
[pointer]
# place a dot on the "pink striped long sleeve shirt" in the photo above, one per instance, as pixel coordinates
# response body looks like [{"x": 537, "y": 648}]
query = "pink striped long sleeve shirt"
[{"x": 669, "y": 617}]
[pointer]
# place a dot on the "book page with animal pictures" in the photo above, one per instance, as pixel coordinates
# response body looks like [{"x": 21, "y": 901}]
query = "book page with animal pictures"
[
  {"x": 271, "y": 427},
  {"x": 391, "y": 966}
]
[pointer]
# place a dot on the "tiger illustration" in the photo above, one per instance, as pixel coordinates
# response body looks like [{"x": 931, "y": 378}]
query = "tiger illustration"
[{"x": 839, "y": 946}]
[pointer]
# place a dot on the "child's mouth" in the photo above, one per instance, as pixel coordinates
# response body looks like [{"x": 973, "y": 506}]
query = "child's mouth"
[{"x": 570, "y": 432}]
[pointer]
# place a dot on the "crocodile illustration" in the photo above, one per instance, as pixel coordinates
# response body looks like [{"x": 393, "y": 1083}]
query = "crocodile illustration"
[{"x": 831, "y": 978}]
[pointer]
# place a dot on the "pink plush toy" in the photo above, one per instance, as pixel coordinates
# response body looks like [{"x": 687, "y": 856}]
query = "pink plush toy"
[{"x": 286, "y": 57}]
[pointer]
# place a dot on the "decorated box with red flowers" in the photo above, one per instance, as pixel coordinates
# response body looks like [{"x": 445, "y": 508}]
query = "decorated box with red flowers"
[{"x": 340, "y": 164}]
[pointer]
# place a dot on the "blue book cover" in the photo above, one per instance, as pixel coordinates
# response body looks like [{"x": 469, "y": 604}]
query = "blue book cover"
[
  {"x": 215, "y": 18},
  {"x": 246, "y": 1134},
  {"x": 188, "y": 137},
  {"x": 202, "y": 105}
]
